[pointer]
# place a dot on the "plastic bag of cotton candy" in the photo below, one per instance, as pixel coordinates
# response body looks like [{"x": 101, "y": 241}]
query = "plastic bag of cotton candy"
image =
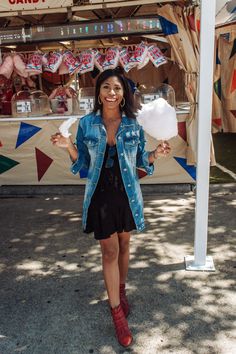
[
  {"x": 65, "y": 126},
  {"x": 158, "y": 119}
]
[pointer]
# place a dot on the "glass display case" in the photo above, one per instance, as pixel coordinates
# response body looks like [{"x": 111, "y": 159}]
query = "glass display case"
[
  {"x": 147, "y": 94},
  {"x": 65, "y": 105},
  {"x": 28, "y": 103}
]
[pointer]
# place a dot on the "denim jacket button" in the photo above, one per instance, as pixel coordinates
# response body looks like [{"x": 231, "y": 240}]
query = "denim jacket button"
[
  {"x": 125, "y": 169},
  {"x": 129, "y": 185},
  {"x": 122, "y": 154}
]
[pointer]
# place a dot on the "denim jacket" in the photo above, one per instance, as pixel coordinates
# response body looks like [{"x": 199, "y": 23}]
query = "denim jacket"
[{"x": 91, "y": 140}]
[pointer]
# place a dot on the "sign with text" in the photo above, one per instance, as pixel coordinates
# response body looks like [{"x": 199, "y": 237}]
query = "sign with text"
[
  {"x": 82, "y": 30},
  {"x": 20, "y": 5}
]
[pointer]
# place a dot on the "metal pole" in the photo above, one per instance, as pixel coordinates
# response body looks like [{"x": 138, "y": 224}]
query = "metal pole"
[{"x": 200, "y": 261}]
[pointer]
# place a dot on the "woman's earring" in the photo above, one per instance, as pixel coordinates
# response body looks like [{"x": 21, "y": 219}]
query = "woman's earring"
[
  {"x": 99, "y": 100},
  {"x": 122, "y": 102}
]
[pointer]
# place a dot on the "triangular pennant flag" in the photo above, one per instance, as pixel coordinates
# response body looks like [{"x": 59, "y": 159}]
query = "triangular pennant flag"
[
  {"x": 217, "y": 121},
  {"x": 141, "y": 173},
  {"x": 1, "y": 144},
  {"x": 233, "y": 50},
  {"x": 182, "y": 130},
  {"x": 234, "y": 113},
  {"x": 168, "y": 27},
  {"x": 83, "y": 173},
  {"x": 6, "y": 163},
  {"x": 233, "y": 85},
  {"x": 191, "y": 22},
  {"x": 43, "y": 163},
  {"x": 190, "y": 169},
  {"x": 26, "y": 132},
  {"x": 198, "y": 25},
  {"x": 217, "y": 88},
  {"x": 217, "y": 57}
]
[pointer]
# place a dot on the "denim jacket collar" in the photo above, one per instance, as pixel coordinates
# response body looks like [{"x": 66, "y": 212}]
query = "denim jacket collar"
[{"x": 125, "y": 122}]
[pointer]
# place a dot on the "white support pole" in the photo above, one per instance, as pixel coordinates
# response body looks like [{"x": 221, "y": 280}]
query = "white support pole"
[{"x": 200, "y": 261}]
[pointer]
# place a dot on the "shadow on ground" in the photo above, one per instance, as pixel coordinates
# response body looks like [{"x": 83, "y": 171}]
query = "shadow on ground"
[{"x": 52, "y": 298}]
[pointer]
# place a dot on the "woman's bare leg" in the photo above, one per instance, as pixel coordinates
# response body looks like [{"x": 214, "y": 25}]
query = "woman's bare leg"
[
  {"x": 123, "y": 258},
  {"x": 110, "y": 254}
]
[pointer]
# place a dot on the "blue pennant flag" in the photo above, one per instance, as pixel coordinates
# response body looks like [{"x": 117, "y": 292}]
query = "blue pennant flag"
[
  {"x": 190, "y": 169},
  {"x": 26, "y": 132}
]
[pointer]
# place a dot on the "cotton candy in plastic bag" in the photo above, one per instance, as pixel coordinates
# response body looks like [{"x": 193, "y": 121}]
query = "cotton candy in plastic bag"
[
  {"x": 70, "y": 62},
  {"x": 156, "y": 56},
  {"x": 52, "y": 61},
  {"x": 34, "y": 65},
  {"x": 158, "y": 119},
  {"x": 86, "y": 61},
  {"x": 19, "y": 65},
  {"x": 139, "y": 55},
  {"x": 99, "y": 60},
  {"x": 111, "y": 59},
  {"x": 144, "y": 63},
  {"x": 124, "y": 58},
  {"x": 7, "y": 66}
]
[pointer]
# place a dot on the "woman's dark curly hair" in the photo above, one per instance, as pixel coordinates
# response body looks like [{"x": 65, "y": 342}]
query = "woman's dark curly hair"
[{"x": 128, "y": 108}]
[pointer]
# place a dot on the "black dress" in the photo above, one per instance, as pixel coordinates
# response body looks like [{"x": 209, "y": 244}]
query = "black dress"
[{"x": 109, "y": 210}]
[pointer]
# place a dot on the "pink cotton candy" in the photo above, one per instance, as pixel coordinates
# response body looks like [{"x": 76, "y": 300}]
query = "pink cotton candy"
[
  {"x": 19, "y": 65},
  {"x": 6, "y": 69}
]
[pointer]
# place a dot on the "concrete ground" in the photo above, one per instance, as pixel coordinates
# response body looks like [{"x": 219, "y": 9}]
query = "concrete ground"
[{"x": 52, "y": 298}]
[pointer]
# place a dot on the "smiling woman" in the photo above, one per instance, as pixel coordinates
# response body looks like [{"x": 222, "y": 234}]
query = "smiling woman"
[{"x": 110, "y": 145}]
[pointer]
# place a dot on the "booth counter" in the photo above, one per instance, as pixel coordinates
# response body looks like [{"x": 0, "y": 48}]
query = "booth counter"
[{"x": 27, "y": 156}]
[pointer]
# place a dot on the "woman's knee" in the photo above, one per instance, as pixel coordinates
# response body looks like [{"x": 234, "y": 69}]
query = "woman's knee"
[
  {"x": 124, "y": 243},
  {"x": 110, "y": 249},
  {"x": 109, "y": 254}
]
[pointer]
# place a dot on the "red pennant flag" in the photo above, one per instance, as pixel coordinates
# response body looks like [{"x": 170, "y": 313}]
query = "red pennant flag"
[
  {"x": 233, "y": 86},
  {"x": 234, "y": 113},
  {"x": 217, "y": 121},
  {"x": 182, "y": 130},
  {"x": 43, "y": 163}
]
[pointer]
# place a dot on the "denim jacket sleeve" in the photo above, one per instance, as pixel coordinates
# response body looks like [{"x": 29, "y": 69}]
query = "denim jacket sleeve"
[
  {"x": 82, "y": 163},
  {"x": 142, "y": 155}
]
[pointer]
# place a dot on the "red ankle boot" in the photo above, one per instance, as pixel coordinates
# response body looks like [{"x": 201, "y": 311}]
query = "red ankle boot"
[
  {"x": 123, "y": 333},
  {"x": 123, "y": 300}
]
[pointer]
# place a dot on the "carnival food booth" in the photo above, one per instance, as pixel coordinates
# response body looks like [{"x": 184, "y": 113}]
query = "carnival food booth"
[{"x": 49, "y": 67}]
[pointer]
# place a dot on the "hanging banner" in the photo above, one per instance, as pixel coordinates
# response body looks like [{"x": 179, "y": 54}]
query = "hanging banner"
[{"x": 20, "y": 5}]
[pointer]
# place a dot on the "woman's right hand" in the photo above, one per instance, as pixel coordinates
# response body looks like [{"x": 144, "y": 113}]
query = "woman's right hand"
[{"x": 59, "y": 140}]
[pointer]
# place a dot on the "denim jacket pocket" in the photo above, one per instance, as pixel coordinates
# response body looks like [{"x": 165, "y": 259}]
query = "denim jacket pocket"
[
  {"x": 131, "y": 143},
  {"x": 90, "y": 142}
]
